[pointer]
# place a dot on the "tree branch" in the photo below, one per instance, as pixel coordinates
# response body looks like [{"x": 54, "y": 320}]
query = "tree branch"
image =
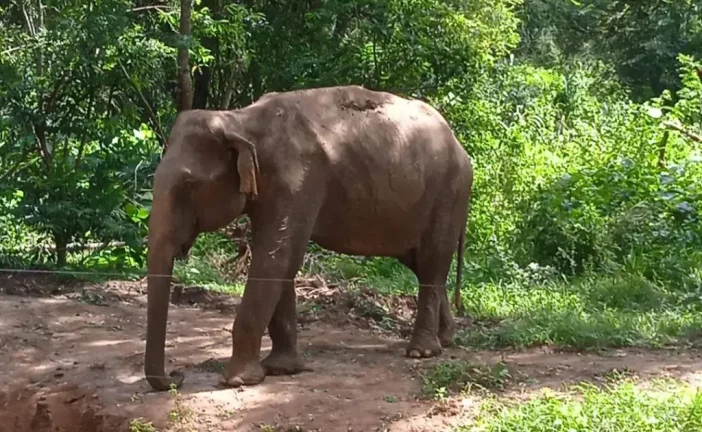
[
  {"x": 11, "y": 50},
  {"x": 15, "y": 167},
  {"x": 153, "y": 7},
  {"x": 152, "y": 115},
  {"x": 40, "y": 135},
  {"x": 30, "y": 23},
  {"x": 47, "y": 105},
  {"x": 81, "y": 147},
  {"x": 683, "y": 131}
]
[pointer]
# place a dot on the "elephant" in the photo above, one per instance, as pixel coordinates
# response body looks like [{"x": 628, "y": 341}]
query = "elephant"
[{"x": 357, "y": 171}]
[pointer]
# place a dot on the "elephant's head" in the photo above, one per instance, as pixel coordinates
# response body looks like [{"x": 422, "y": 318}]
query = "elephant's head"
[{"x": 208, "y": 173}]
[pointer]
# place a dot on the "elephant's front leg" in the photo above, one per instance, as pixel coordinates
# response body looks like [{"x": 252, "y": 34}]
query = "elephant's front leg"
[
  {"x": 254, "y": 312},
  {"x": 277, "y": 255}
]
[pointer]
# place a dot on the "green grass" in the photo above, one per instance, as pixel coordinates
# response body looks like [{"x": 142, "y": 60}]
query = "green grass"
[
  {"x": 207, "y": 261},
  {"x": 622, "y": 407},
  {"x": 140, "y": 425},
  {"x": 597, "y": 312},
  {"x": 460, "y": 376},
  {"x": 385, "y": 275}
]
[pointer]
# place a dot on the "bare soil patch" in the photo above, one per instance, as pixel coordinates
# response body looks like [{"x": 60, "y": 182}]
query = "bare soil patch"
[{"x": 72, "y": 358}]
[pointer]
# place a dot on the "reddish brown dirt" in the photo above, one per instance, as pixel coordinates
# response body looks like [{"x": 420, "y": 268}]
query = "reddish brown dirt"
[{"x": 72, "y": 354}]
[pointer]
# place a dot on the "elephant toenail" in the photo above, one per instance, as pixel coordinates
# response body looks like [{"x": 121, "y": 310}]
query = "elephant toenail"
[{"x": 233, "y": 382}]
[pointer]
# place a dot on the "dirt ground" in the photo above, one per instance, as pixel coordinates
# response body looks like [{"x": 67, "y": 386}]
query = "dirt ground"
[{"x": 72, "y": 357}]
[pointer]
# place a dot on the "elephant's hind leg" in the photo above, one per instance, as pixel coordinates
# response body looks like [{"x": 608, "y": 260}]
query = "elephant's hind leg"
[
  {"x": 433, "y": 326},
  {"x": 284, "y": 358},
  {"x": 447, "y": 327},
  {"x": 425, "y": 341},
  {"x": 445, "y": 319}
]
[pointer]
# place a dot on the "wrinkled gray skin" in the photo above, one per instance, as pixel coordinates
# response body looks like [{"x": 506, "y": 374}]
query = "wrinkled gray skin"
[{"x": 358, "y": 172}]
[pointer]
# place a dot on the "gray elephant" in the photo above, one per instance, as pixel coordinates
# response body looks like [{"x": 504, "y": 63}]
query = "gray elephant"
[{"x": 357, "y": 171}]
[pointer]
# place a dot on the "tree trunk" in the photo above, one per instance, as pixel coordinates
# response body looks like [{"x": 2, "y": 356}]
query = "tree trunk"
[
  {"x": 256, "y": 84},
  {"x": 204, "y": 78},
  {"x": 61, "y": 249},
  {"x": 202, "y": 87},
  {"x": 228, "y": 92},
  {"x": 661, "y": 149},
  {"x": 184, "y": 79}
]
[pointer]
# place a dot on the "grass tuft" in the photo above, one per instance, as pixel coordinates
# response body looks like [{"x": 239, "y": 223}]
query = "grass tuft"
[
  {"x": 141, "y": 425},
  {"x": 620, "y": 408},
  {"x": 460, "y": 376}
]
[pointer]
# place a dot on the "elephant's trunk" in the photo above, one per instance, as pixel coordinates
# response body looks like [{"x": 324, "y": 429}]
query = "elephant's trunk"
[{"x": 160, "y": 267}]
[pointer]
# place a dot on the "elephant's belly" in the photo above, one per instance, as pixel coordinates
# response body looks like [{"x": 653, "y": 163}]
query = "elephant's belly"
[
  {"x": 363, "y": 246},
  {"x": 376, "y": 210},
  {"x": 367, "y": 234}
]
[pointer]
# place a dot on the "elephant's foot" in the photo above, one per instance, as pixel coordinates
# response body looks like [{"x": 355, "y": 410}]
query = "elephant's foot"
[
  {"x": 424, "y": 345},
  {"x": 446, "y": 335},
  {"x": 238, "y": 375},
  {"x": 284, "y": 363},
  {"x": 162, "y": 382}
]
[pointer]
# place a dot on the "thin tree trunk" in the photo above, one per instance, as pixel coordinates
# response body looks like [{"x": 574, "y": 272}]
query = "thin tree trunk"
[
  {"x": 204, "y": 79},
  {"x": 185, "y": 81},
  {"x": 229, "y": 92},
  {"x": 202, "y": 87},
  {"x": 61, "y": 249},
  {"x": 256, "y": 84},
  {"x": 661, "y": 150}
]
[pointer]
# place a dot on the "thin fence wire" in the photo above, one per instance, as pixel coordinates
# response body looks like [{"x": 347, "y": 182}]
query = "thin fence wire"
[{"x": 138, "y": 275}]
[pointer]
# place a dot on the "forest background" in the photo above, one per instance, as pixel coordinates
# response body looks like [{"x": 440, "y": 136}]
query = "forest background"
[{"x": 583, "y": 119}]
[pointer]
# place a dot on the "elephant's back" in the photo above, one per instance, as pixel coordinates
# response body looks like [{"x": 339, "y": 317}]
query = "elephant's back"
[{"x": 356, "y": 132}]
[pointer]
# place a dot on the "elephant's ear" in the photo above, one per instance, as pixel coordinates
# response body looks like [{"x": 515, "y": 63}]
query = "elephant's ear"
[{"x": 246, "y": 164}]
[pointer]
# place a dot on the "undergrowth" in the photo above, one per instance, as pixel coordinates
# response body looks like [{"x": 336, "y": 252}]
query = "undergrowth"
[
  {"x": 622, "y": 407},
  {"x": 591, "y": 313},
  {"x": 460, "y": 376}
]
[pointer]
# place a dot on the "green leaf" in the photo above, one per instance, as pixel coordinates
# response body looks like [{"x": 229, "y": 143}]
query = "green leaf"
[{"x": 142, "y": 213}]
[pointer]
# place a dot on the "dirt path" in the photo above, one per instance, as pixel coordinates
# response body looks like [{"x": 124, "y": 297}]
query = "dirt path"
[{"x": 72, "y": 358}]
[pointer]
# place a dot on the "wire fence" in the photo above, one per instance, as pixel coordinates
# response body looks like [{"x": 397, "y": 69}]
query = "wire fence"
[{"x": 135, "y": 275}]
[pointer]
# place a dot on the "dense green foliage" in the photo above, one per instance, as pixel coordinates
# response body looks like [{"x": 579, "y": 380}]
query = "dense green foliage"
[{"x": 583, "y": 120}]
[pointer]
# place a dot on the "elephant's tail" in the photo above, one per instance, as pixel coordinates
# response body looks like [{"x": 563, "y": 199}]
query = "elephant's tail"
[{"x": 459, "y": 272}]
